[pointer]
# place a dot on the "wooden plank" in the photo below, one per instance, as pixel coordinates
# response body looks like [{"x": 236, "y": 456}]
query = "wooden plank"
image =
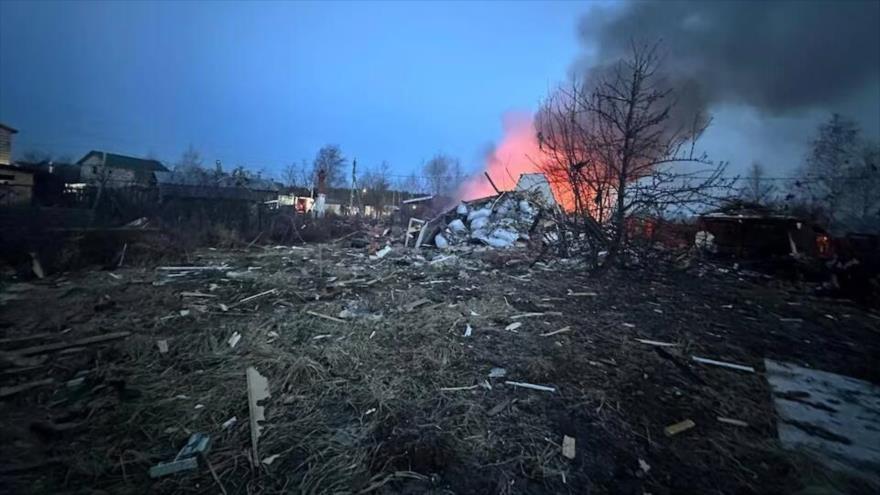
[
  {"x": 731, "y": 421},
  {"x": 554, "y": 332},
  {"x": 656, "y": 343},
  {"x": 9, "y": 391},
  {"x": 568, "y": 450},
  {"x": 96, "y": 339},
  {"x": 36, "y": 336},
  {"x": 415, "y": 304},
  {"x": 532, "y": 386},
  {"x": 679, "y": 427},
  {"x": 326, "y": 317},
  {"x": 724, "y": 365}
]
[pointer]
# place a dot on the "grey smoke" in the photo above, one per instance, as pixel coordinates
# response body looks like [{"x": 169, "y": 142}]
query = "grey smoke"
[{"x": 780, "y": 57}]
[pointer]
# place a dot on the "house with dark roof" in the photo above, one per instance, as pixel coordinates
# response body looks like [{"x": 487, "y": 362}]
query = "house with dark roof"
[{"x": 114, "y": 170}]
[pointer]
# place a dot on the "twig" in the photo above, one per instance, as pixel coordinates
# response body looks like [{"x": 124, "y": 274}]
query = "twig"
[
  {"x": 326, "y": 317},
  {"x": 554, "y": 332},
  {"x": 453, "y": 389},
  {"x": 255, "y": 296},
  {"x": 214, "y": 474},
  {"x": 532, "y": 386}
]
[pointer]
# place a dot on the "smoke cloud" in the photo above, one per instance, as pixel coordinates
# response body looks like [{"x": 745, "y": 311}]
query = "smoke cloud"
[{"x": 780, "y": 57}]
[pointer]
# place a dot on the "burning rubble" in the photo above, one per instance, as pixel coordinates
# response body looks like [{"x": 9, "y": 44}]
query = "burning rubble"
[{"x": 499, "y": 222}]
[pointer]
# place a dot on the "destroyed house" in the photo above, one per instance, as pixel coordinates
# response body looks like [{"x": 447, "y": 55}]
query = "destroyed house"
[
  {"x": 114, "y": 170},
  {"x": 761, "y": 235}
]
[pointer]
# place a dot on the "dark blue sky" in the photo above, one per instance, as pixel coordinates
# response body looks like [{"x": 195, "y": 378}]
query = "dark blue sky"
[{"x": 267, "y": 84}]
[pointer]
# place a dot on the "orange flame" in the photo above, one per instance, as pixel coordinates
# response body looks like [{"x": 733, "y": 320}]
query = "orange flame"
[{"x": 517, "y": 153}]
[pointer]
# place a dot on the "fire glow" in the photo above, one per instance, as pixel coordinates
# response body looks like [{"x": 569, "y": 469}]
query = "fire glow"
[{"x": 517, "y": 153}]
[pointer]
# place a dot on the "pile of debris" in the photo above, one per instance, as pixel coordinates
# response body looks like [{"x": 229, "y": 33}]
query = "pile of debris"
[{"x": 498, "y": 221}]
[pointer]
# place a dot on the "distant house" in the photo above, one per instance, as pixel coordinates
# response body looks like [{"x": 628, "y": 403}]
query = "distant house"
[
  {"x": 6, "y": 133},
  {"x": 16, "y": 186},
  {"x": 183, "y": 185},
  {"x": 113, "y": 170}
]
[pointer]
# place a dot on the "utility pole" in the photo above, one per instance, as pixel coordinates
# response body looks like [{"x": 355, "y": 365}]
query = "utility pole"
[{"x": 353, "y": 185}]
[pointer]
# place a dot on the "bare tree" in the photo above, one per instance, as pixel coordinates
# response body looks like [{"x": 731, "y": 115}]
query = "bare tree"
[
  {"x": 757, "y": 189},
  {"x": 295, "y": 175},
  {"x": 190, "y": 160},
  {"x": 840, "y": 177},
  {"x": 331, "y": 160},
  {"x": 412, "y": 184},
  {"x": 628, "y": 149},
  {"x": 376, "y": 185},
  {"x": 443, "y": 174}
]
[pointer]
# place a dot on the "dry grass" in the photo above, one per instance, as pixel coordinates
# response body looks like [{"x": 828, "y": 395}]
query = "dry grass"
[{"x": 361, "y": 409}]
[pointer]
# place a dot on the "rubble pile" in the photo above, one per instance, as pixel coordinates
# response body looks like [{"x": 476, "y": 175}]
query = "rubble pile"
[{"x": 499, "y": 221}]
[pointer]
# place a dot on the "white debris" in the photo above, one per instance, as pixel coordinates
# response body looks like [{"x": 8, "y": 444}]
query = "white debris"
[
  {"x": 497, "y": 373},
  {"x": 481, "y": 213},
  {"x": 513, "y": 326},
  {"x": 441, "y": 241},
  {"x": 468, "y": 331},
  {"x": 383, "y": 252},
  {"x": 479, "y": 223},
  {"x": 233, "y": 340},
  {"x": 457, "y": 226}
]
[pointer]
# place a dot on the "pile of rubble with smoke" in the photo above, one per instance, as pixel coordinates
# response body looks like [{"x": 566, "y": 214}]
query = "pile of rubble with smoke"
[{"x": 498, "y": 221}]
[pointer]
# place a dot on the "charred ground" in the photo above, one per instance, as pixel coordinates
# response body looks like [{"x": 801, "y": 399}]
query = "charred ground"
[{"x": 357, "y": 404}]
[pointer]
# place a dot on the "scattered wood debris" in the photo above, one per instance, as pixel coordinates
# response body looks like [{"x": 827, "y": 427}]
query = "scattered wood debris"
[
  {"x": 9, "y": 391},
  {"x": 257, "y": 389},
  {"x": 679, "y": 427},
  {"x": 568, "y": 450},
  {"x": 253, "y": 297},
  {"x": 513, "y": 326},
  {"x": 731, "y": 421},
  {"x": 415, "y": 304},
  {"x": 582, "y": 294},
  {"x": 326, "y": 317},
  {"x": 656, "y": 343},
  {"x": 555, "y": 332},
  {"x": 455, "y": 389},
  {"x": 186, "y": 459},
  {"x": 97, "y": 339},
  {"x": 196, "y": 294},
  {"x": 724, "y": 365},
  {"x": 532, "y": 386}
]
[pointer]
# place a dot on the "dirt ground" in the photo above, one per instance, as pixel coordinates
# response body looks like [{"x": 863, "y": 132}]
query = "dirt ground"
[{"x": 360, "y": 353}]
